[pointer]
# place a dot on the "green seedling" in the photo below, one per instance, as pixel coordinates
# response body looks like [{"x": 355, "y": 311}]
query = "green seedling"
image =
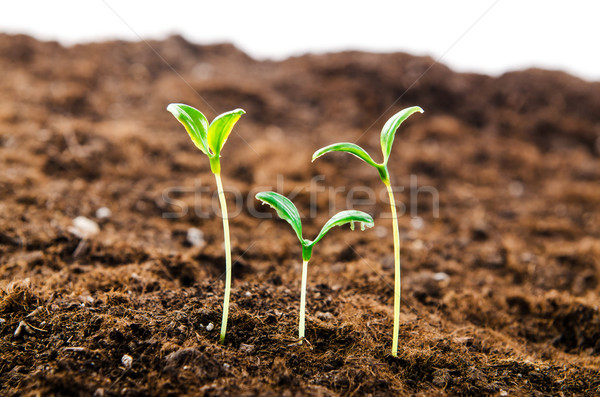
[
  {"x": 288, "y": 212},
  {"x": 387, "y": 138},
  {"x": 210, "y": 140}
]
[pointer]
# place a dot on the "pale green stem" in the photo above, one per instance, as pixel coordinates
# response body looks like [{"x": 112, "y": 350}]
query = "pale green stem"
[
  {"x": 303, "y": 300},
  {"x": 227, "y": 257},
  {"x": 397, "y": 284}
]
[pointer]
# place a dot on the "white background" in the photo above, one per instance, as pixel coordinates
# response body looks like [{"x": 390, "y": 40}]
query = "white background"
[{"x": 486, "y": 36}]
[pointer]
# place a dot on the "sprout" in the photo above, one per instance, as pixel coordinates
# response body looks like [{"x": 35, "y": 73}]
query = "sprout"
[
  {"x": 288, "y": 212},
  {"x": 210, "y": 140},
  {"x": 387, "y": 138}
]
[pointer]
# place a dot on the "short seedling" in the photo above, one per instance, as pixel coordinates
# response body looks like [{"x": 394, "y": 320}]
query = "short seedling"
[
  {"x": 210, "y": 140},
  {"x": 288, "y": 212},
  {"x": 387, "y": 138}
]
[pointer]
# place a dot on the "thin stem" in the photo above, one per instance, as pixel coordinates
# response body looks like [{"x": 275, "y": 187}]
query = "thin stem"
[
  {"x": 227, "y": 257},
  {"x": 397, "y": 284},
  {"x": 303, "y": 300}
]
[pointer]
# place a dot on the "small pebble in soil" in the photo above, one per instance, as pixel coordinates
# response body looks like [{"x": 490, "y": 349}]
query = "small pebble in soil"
[
  {"x": 464, "y": 340},
  {"x": 325, "y": 316},
  {"x": 247, "y": 294},
  {"x": 440, "y": 276},
  {"x": 22, "y": 327},
  {"x": 516, "y": 188},
  {"x": 418, "y": 245},
  {"x": 195, "y": 237},
  {"x": 103, "y": 213},
  {"x": 99, "y": 392},
  {"x": 210, "y": 327},
  {"x": 34, "y": 313},
  {"x": 2, "y": 321},
  {"x": 244, "y": 348},
  {"x": 86, "y": 299},
  {"x": 84, "y": 228},
  {"x": 127, "y": 360},
  {"x": 417, "y": 223},
  {"x": 76, "y": 349}
]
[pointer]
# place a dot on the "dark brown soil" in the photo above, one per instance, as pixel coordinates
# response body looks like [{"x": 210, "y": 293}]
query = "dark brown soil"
[{"x": 500, "y": 292}]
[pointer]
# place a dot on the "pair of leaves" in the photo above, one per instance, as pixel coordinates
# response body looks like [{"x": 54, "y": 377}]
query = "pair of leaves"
[
  {"x": 208, "y": 138},
  {"x": 288, "y": 212},
  {"x": 387, "y": 139}
]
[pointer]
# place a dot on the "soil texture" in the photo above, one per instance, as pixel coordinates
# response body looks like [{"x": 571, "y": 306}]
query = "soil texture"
[{"x": 497, "y": 183}]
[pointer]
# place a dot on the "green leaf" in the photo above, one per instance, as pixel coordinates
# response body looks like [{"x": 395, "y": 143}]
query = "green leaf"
[
  {"x": 389, "y": 129},
  {"x": 194, "y": 122},
  {"x": 221, "y": 127},
  {"x": 344, "y": 217},
  {"x": 346, "y": 147},
  {"x": 285, "y": 209}
]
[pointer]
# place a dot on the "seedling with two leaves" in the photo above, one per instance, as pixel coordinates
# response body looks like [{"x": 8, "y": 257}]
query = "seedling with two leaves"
[
  {"x": 387, "y": 139},
  {"x": 210, "y": 140},
  {"x": 288, "y": 212}
]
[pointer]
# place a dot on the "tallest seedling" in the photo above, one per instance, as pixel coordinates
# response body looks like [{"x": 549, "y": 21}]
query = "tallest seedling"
[
  {"x": 387, "y": 138},
  {"x": 210, "y": 140}
]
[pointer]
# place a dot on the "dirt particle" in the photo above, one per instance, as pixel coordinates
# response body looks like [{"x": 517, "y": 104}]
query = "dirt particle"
[
  {"x": 325, "y": 316},
  {"x": 103, "y": 213},
  {"x": 84, "y": 228},
  {"x": 247, "y": 349},
  {"x": 127, "y": 361},
  {"x": 195, "y": 237},
  {"x": 99, "y": 392},
  {"x": 441, "y": 378}
]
